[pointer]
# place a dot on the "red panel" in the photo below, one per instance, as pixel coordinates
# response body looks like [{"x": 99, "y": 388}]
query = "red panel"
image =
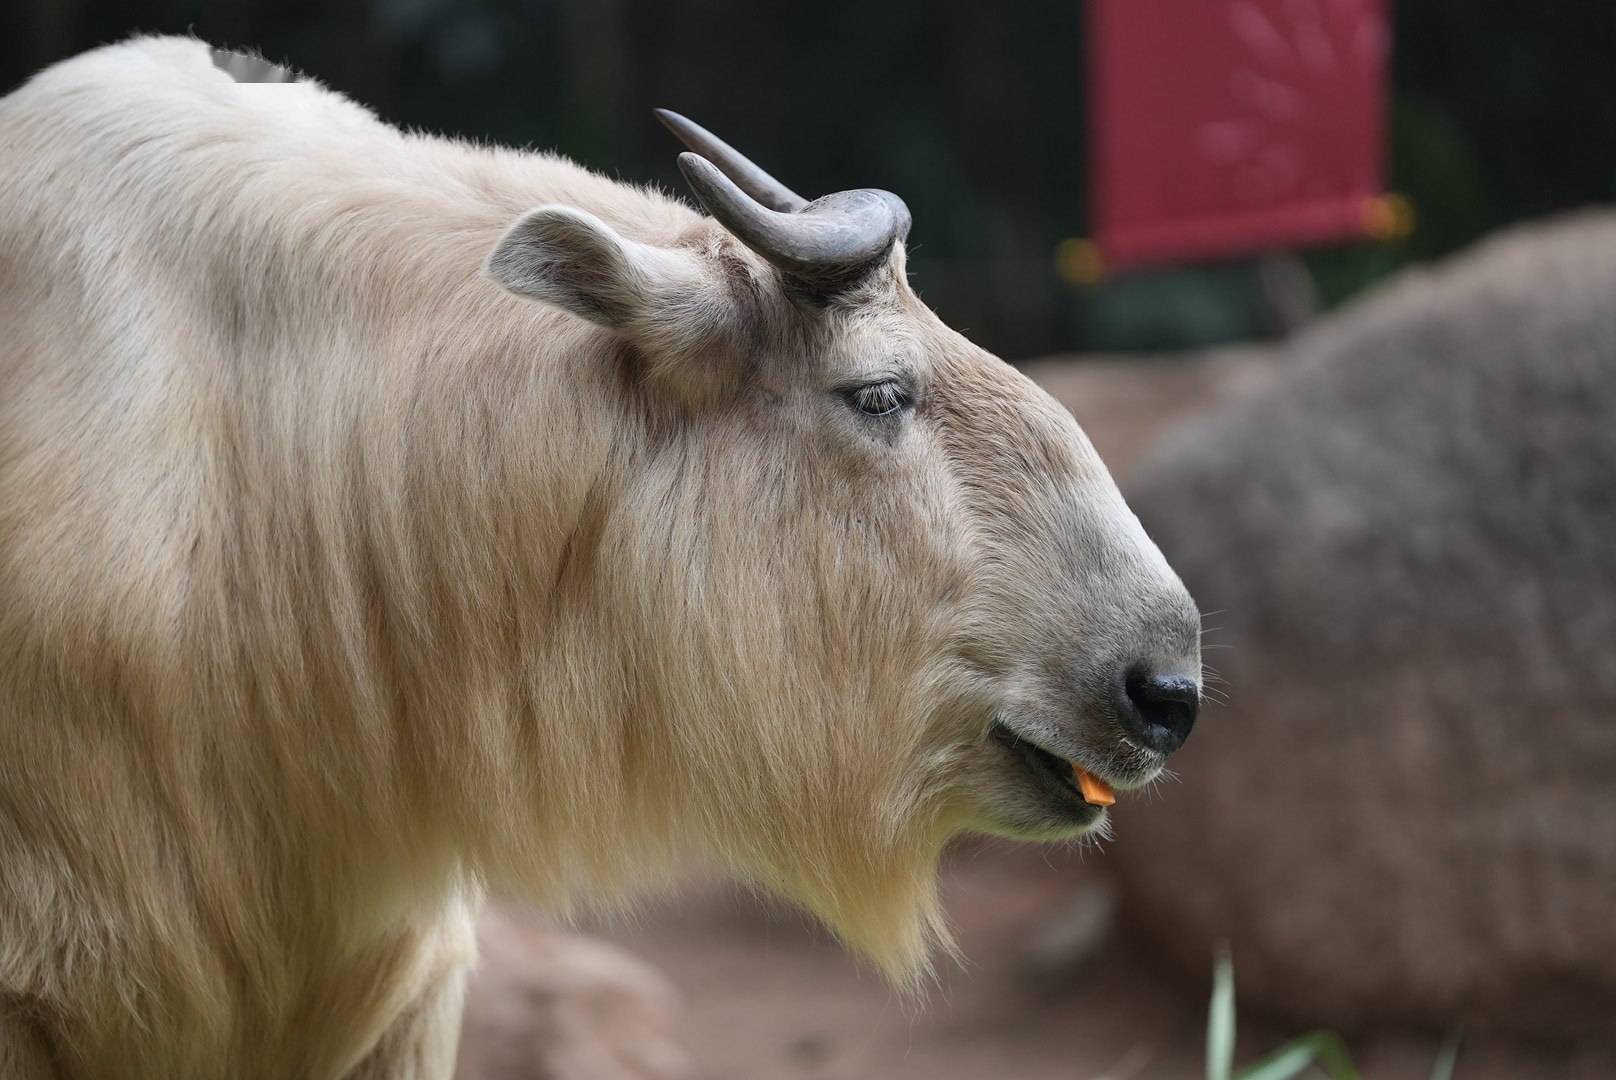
[{"x": 1227, "y": 126}]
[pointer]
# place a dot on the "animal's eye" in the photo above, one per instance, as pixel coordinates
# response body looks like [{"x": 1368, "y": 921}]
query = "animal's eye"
[{"x": 879, "y": 398}]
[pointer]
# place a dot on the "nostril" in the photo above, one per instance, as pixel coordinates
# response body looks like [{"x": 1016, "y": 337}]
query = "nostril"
[{"x": 1160, "y": 709}]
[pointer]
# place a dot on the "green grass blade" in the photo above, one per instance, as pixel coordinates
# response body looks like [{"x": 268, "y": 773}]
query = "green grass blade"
[
  {"x": 1220, "y": 1018},
  {"x": 1289, "y": 1061},
  {"x": 1322, "y": 1048},
  {"x": 1443, "y": 1069}
]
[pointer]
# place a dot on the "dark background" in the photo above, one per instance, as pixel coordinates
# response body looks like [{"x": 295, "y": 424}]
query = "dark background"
[{"x": 972, "y": 111}]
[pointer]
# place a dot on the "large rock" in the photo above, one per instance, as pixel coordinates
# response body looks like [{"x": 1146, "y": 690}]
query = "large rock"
[{"x": 1408, "y": 809}]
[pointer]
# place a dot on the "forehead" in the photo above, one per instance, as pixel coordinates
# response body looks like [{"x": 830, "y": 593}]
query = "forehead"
[
  {"x": 882, "y": 334},
  {"x": 883, "y": 323},
  {"x": 1005, "y": 422}
]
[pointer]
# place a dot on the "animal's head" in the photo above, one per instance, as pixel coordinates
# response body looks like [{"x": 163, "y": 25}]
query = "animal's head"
[{"x": 872, "y": 588}]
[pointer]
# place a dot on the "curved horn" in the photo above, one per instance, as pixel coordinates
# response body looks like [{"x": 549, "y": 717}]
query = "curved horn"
[
  {"x": 735, "y": 165},
  {"x": 830, "y": 242}
]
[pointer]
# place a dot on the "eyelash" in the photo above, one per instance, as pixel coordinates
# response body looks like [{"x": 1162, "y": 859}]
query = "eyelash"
[{"x": 880, "y": 398}]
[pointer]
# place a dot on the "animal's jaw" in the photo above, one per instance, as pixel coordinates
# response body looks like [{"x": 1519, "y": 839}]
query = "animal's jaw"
[{"x": 1025, "y": 786}]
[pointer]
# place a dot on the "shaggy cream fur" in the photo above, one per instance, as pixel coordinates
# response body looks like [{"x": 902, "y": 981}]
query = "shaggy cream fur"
[{"x": 339, "y": 585}]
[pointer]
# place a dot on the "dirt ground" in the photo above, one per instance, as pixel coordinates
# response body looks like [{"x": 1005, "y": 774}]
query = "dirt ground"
[
  {"x": 770, "y": 998},
  {"x": 1053, "y": 989}
]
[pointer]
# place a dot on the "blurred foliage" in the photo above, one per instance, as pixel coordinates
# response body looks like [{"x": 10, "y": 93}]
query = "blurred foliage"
[
  {"x": 1317, "y": 1052},
  {"x": 973, "y": 112}
]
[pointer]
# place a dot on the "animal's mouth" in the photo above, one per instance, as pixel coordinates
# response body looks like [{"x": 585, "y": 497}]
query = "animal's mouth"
[{"x": 1054, "y": 773}]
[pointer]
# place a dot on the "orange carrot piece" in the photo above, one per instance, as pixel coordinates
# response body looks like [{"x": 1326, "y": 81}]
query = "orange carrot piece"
[{"x": 1095, "y": 790}]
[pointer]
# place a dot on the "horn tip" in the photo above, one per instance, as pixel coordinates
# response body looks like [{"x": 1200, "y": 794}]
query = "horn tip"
[
  {"x": 702, "y": 175},
  {"x": 670, "y": 119},
  {"x": 690, "y": 161}
]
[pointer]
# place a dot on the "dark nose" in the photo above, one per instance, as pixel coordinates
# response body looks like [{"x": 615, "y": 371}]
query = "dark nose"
[{"x": 1158, "y": 710}]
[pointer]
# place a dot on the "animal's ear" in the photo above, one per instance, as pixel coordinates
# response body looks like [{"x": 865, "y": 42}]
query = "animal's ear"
[{"x": 572, "y": 259}]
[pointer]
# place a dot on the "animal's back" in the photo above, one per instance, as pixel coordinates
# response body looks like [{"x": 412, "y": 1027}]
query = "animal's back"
[{"x": 131, "y": 173}]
